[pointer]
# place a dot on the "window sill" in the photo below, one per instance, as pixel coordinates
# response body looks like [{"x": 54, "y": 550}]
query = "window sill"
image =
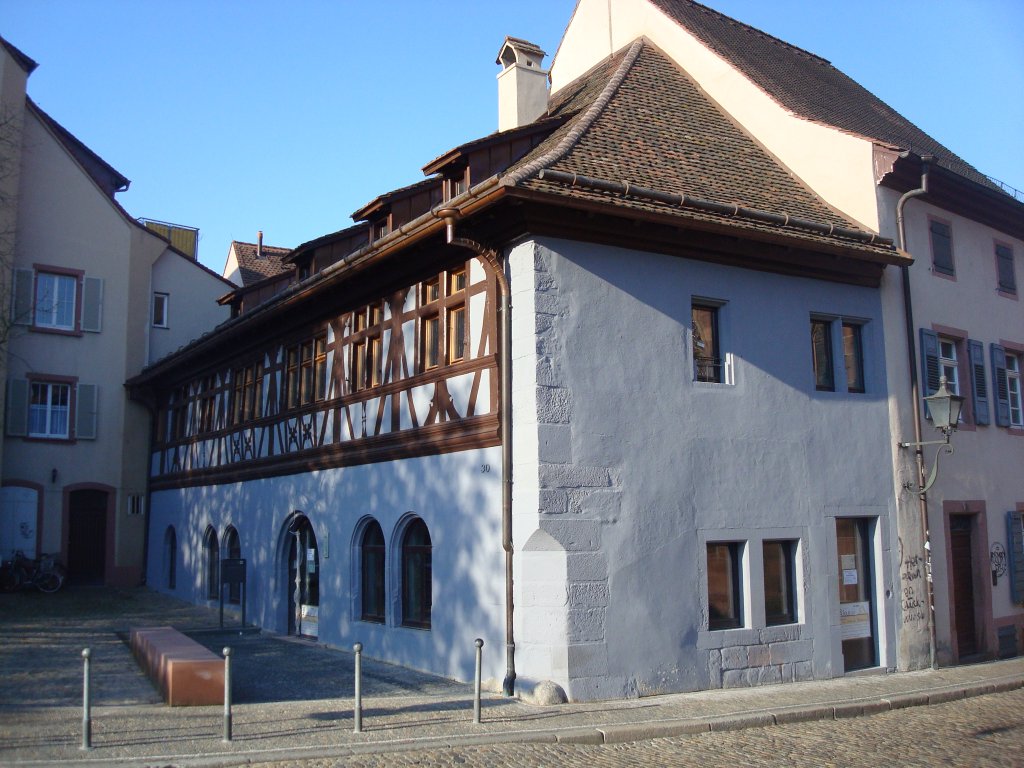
[
  {"x": 416, "y": 627},
  {"x": 943, "y": 274},
  {"x": 1012, "y": 295},
  {"x": 45, "y": 439},
  {"x": 55, "y": 331},
  {"x": 713, "y": 385},
  {"x": 708, "y": 639}
]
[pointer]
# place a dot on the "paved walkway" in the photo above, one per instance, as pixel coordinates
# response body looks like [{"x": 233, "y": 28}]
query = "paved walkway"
[{"x": 293, "y": 699}]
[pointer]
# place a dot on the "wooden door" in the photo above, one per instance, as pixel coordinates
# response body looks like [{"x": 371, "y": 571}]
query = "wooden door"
[
  {"x": 87, "y": 536},
  {"x": 961, "y": 554}
]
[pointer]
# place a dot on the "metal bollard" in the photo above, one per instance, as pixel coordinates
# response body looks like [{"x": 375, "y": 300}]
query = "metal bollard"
[
  {"x": 479, "y": 669},
  {"x": 227, "y": 694},
  {"x": 86, "y": 701},
  {"x": 357, "y": 706}
]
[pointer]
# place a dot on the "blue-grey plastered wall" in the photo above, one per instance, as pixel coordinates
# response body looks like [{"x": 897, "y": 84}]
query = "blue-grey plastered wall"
[
  {"x": 458, "y": 495},
  {"x": 635, "y": 466}
]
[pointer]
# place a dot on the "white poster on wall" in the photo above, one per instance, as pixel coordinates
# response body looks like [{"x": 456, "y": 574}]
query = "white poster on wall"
[
  {"x": 855, "y": 620},
  {"x": 18, "y": 509}
]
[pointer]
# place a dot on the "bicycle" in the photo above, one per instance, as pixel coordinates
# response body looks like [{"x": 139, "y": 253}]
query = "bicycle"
[{"x": 44, "y": 573}]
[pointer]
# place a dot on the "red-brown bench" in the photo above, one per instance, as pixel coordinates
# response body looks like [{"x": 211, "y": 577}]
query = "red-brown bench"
[{"x": 186, "y": 673}]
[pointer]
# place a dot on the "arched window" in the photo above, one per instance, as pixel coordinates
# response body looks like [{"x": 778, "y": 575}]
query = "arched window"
[
  {"x": 170, "y": 557},
  {"x": 233, "y": 550},
  {"x": 416, "y": 576},
  {"x": 211, "y": 551},
  {"x": 372, "y": 577}
]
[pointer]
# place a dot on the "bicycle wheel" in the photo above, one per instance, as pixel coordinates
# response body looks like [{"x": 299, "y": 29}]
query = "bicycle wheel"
[
  {"x": 50, "y": 581},
  {"x": 8, "y": 579}
]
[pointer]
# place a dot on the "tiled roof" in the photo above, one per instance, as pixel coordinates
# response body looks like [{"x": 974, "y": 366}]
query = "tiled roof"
[
  {"x": 254, "y": 268},
  {"x": 810, "y": 86},
  {"x": 642, "y": 120}
]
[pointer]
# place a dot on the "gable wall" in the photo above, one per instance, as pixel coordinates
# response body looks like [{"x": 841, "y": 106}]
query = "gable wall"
[{"x": 837, "y": 166}]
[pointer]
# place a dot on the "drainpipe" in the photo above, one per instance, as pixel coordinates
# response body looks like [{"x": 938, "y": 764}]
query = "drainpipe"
[
  {"x": 450, "y": 215},
  {"x": 915, "y": 392}
]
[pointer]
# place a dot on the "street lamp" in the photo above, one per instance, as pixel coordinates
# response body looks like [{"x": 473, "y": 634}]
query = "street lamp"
[{"x": 944, "y": 408}]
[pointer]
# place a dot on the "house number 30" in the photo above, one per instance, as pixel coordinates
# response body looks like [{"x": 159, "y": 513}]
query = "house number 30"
[{"x": 485, "y": 468}]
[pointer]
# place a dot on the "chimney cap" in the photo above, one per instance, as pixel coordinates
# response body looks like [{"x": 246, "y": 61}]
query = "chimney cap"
[{"x": 515, "y": 50}]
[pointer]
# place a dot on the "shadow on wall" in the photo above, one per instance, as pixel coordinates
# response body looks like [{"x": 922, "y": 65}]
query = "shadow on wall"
[{"x": 457, "y": 495}]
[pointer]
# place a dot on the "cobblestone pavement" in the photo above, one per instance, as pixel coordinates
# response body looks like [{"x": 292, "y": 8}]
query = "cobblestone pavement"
[
  {"x": 983, "y": 731},
  {"x": 293, "y": 702}
]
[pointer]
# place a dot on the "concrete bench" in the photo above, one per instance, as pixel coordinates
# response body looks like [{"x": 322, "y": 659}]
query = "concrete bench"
[{"x": 186, "y": 673}]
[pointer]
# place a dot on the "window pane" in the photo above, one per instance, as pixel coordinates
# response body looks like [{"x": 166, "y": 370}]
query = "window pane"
[
  {"x": 416, "y": 576},
  {"x": 457, "y": 334},
  {"x": 821, "y": 351},
  {"x": 55, "y": 301},
  {"x": 1014, "y": 390},
  {"x": 320, "y": 368},
  {"x": 723, "y": 586},
  {"x": 373, "y": 574},
  {"x": 949, "y": 365},
  {"x": 779, "y": 580},
  {"x": 160, "y": 310},
  {"x": 457, "y": 281},
  {"x": 853, "y": 355},
  {"x": 358, "y": 366},
  {"x": 49, "y": 410},
  {"x": 430, "y": 341},
  {"x": 707, "y": 363}
]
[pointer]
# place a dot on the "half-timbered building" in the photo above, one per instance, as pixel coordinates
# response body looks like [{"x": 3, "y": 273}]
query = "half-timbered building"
[{"x": 608, "y": 389}]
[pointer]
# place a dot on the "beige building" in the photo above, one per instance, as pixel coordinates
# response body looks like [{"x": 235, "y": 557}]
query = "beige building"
[{"x": 91, "y": 297}]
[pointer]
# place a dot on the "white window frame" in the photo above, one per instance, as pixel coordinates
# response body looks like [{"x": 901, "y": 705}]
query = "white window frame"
[
  {"x": 49, "y": 410},
  {"x": 47, "y": 308},
  {"x": 162, "y": 300},
  {"x": 1013, "y": 389},
  {"x": 950, "y": 363}
]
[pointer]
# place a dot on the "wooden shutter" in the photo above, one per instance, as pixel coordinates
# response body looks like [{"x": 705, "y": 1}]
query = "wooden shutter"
[
  {"x": 21, "y": 306},
  {"x": 92, "y": 304},
  {"x": 929, "y": 365},
  {"x": 1000, "y": 387},
  {"x": 979, "y": 390},
  {"x": 85, "y": 412},
  {"x": 1015, "y": 542},
  {"x": 17, "y": 407}
]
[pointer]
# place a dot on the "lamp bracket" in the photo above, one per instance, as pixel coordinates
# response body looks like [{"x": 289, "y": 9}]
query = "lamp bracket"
[{"x": 933, "y": 474}]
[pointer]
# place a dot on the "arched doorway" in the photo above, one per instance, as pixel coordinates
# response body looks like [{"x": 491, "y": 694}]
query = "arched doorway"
[
  {"x": 303, "y": 582},
  {"x": 211, "y": 570},
  {"x": 87, "y": 535},
  {"x": 233, "y": 551},
  {"x": 170, "y": 557}
]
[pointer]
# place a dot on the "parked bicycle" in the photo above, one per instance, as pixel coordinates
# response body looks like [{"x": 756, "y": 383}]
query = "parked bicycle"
[{"x": 44, "y": 573}]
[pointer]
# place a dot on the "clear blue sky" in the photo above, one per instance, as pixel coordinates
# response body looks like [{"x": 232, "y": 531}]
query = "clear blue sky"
[{"x": 236, "y": 116}]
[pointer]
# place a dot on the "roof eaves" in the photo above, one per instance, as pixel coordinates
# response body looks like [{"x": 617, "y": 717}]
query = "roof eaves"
[
  {"x": 540, "y": 125},
  {"x": 27, "y": 64},
  {"x": 388, "y": 197},
  {"x": 103, "y": 173}
]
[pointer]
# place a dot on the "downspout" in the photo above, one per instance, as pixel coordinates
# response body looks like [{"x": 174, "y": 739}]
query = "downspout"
[
  {"x": 915, "y": 393},
  {"x": 505, "y": 309}
]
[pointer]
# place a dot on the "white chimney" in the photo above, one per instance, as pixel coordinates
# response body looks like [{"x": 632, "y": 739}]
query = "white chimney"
[{"x": 522, "y": 84}]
